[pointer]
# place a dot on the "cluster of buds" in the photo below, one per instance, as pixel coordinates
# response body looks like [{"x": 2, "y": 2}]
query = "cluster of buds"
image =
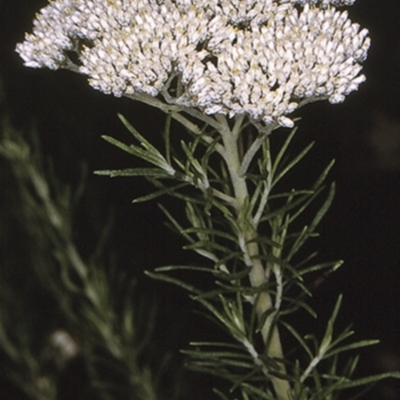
[{"x": 261, "y": 58}]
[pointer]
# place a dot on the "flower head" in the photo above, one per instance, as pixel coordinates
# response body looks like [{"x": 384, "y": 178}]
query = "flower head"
[{"x": 262, "y": 58}]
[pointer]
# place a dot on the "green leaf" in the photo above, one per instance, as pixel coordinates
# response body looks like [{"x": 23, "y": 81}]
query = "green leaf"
[
  {"x": 282, "y": 151},
  {"x": 291, "y": 194},
  {"x": 343, "y": 336},
  {"x": 152, "y": 157},
  {"x": 322, "y": 177},
  {"x": 350, "y": 366},
  {"x": 118, "y": 144},
  {"x": 169, "y": 279},
  {"x": 207, "y": 245},
  {"x": 249, "y": 377},
  {"x": 219, "y": 372},
  {"x": 220, "y": 355},
  {"x": 226, "y": 318},
  {"x": 263, "y": 318},
  {"x": 281, "y": 211},
  {"x": 261, "y": 393},
  {"x": 334, "y": 265},
  {"x": 159, "y": 193},
  {"x": 154, "y": 172},
  {"x": 298, "y": 304},
  {"x": 265, "y": 240},
  {"x": 220, "y": 394},
  {"x": 210, "y": 149},
  {"x": 327, "y": 339},
  {"x": 189, "y": 150},
  {"x": 167, "y": 138},
  {"x": 232, "y": 276},
  {"x": 368, "y": 380},
  {"x": 234, "y": 255},
  {"x": 176, "y": 224},
  {"x": 256, "y": 195},
  {"x": 197, "y": 220},
  {"x": 173, "y": 191},
  {"x": 141, "y": 139},
  {"x": 352, "y": 346},
  {"x": 183, "y": 267},
  {"x": 291, "y": 164},
  {"x": 211, "y": 231},
  {"x": 308, "y": 199},
  {"x": 247, "y": 290},
  {"x": 308, "y": 231},
  {"x": 211, "y": 294},
  {"x": 298, "y": 338},
  {"x": 217, "y": 344},
  {"x": 323, "y": 210}
]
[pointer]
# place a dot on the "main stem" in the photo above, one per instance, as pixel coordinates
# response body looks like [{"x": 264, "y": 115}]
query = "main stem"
[{"x": 257, "y": 274}]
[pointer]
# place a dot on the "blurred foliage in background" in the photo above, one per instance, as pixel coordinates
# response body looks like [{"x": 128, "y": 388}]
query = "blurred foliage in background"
[{"x": 73, "y": 324}]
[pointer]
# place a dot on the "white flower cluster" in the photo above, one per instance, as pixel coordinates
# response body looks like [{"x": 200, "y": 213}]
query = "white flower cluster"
[
  {"x": 257, "y": 57},
  {"x": 326, "y": 3}
]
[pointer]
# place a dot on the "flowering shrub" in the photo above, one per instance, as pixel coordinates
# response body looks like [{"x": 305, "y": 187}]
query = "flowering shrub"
[{"x": 231, "y": 72}]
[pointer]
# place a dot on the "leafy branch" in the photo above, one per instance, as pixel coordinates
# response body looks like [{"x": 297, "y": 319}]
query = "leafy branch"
[{"x": 248, "y": 232}]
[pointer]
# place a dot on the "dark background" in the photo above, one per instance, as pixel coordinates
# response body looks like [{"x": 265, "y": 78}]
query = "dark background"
[{"x": 362, "y": 134}]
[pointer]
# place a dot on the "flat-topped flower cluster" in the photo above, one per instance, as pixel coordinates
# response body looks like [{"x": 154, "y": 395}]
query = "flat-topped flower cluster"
[{"x": 262, "y": 58}]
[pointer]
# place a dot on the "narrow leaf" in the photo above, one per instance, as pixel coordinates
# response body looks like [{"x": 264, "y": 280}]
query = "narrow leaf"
[
  {"x": 327, "y": 339},
  {"x": 282, "y": 151},
  {"x": 159, "y": 193},
  {"x": 183, "y": 267},
  {"x": 167, "y": 138},
  {"x": 369, "y": 380},
  {"x": 298, "y": 338},
  {"x": 352, "y": 346},
  {"x": 175, "y": 223},
  {"x": 154, "y": 172},
  {"x": 291, "y": 164},
  {"x": 212, "y": 232},
  {"x": 169, "y": 279},
  {"x": 141, "y": 139},
  {"x": 261, "y": 393}
]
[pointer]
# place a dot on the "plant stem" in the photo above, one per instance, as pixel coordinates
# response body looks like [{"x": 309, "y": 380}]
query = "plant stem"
[{"x": 250, "y": 249}]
